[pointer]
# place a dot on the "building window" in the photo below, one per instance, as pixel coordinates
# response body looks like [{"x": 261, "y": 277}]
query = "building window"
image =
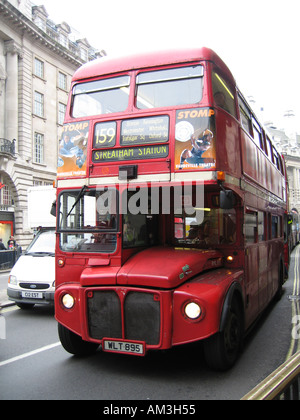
[
  {"x": 63, "y": 40},
  {"x": 5, "y": 196},
  {"x": 38, "y": 148},
  {"x": 41, "y": 23},
  {"x": 62, "y": 81},
  {"x": 61, "y": 113},
  {"x": 38, "y": 104},
  {"x": 84, "y": 54},
  {"x": 39, "y": 68}
]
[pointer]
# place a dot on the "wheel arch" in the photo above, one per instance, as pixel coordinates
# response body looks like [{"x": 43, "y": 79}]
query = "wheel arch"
[{"x": 234, "y": 294}]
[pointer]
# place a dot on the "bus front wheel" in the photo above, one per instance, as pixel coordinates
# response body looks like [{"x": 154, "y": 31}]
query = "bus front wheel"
[
  {"x": 74, "y": 344},
  {"x": 222, "y": 349}
]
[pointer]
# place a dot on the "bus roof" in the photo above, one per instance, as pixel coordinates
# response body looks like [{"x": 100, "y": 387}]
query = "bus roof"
[{"x": 109, "y": 65}]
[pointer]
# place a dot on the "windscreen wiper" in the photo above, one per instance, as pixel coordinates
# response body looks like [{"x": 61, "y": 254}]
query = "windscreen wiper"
[
  {"x": 80, "y": 194},
  {"x": 40, "y": 253}
]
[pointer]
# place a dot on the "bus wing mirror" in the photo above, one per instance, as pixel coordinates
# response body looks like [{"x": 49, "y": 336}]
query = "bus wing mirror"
[
  {"x": 53, "y": 209},
  {"x": 227, "y": 199}
]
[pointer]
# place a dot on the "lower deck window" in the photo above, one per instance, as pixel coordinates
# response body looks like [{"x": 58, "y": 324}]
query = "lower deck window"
[{"x": 206, "y": 228}]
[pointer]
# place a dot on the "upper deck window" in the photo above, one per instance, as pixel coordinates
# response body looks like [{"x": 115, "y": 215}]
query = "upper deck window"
[
  {"x": 257, "y": 133},
  {"x": 100, "y": 97},
  {"x": 245, "y": 116},
  {"x": 223, "y": 94},
  {"x": 171, "y": 87}
]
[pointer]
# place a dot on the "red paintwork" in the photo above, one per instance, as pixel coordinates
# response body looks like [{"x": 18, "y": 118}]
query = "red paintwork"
[
  {"x": 108, "y": 65},
  {"x": 178, "y": 276},
  {"x": 161, "y": 267},
  {"x": 210, "y": 288}
]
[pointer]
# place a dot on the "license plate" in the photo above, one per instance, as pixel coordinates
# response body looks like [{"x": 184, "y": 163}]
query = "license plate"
[
  {"x": 123, "y": 346},
  {"x": 32, "y": 295}
]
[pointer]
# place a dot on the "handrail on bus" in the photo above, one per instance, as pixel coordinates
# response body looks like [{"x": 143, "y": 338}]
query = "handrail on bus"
[{"x": 282, "y": 384}]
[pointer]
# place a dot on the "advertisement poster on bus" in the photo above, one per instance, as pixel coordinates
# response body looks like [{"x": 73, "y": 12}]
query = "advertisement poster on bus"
[
  {"x": 73, "y": 150},
  {"x": 195, "y": 147}
]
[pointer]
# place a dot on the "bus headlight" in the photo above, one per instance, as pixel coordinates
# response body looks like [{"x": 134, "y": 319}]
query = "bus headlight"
[
  {"x": 192, "y": 310},
  {"x": 68, "y": 301}
]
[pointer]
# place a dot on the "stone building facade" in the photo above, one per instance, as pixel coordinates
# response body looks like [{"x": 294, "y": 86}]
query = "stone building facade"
[
  {"x": 37, "y": 61},
  {"x": 289, "y": 146}
]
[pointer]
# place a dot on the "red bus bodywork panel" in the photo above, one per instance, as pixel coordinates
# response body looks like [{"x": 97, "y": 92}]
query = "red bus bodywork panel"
[
  {"x": 108, "y": 66},
  {"x": 208, "y": 289},
  {"x": 166, "y": 267}
]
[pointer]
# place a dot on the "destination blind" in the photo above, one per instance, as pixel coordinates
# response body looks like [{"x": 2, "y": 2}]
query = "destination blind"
[
  {"x": 130, "y": 153},
  {"x": 145, "y": 130},
  {"x": 142, "y": 133}
]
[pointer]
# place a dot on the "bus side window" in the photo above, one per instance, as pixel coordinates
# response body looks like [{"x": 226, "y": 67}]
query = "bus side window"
[
  {"x": 261, "y": 226},
  {"x": 275, "y": 227},
  {"x": 223, "y": 94},
  {"x": 257, "y": 134},
  {"x": 245, "y": 116},
  {"x": 250, "y": 227},
  {"x": 269, "y": 148},
  {"x": 276, "y": 159}
]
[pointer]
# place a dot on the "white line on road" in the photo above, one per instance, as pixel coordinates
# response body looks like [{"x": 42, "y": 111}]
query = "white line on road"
[{"x": 31, "y": 353}]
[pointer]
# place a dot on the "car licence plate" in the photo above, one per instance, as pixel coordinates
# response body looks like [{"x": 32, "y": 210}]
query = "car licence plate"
[
  {"x": 32, "y": 295},
  {"x": 123, "y": 346}
]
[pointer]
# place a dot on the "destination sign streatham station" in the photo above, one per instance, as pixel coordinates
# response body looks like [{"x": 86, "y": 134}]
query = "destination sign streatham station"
[
  {"x": 131, "y": 153},
  {"x": 135, "y": 132}
]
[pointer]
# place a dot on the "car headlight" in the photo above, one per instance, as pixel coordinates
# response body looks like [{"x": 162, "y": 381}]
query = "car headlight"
[
  {"x": 68, "y": 301},
  {"x": 192, "y": 310},
  {"x": 13, "y": 280}
]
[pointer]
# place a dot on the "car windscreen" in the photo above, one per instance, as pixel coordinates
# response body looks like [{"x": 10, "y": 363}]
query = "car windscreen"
[{"x": 43, "y": 243}]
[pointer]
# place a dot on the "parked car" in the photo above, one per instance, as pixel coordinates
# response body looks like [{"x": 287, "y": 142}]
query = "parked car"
[{"x": 32, "y": 279}]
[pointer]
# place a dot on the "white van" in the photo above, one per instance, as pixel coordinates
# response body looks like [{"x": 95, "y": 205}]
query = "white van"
[{"x": 32, "y": 278}]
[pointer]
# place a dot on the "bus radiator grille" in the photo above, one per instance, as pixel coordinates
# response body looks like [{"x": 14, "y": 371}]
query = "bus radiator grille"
[{"x": 141, "y": 316}]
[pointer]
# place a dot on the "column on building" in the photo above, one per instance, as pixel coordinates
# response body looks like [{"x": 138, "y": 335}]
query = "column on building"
[
  {"x": 2, "y": 99},
  {"x": 296, "y": 178},
  {"x": 13, "y": 51},
  {"x": 296, "y": 185}
]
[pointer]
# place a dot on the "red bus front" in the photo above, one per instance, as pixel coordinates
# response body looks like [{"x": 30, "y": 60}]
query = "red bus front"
[{"x": 150, "y": 240}]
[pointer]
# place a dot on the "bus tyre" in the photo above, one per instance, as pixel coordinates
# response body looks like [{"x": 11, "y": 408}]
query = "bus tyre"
[
  {"x": 222, "y": 349},
  {"x": 280, "y": 282},
  {"x": 74, "y": 344}
]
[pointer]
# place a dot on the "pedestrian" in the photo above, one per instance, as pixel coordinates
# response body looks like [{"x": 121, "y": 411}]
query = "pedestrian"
[
  {"x": 2, "y": 247},
  {"x": 11, "y": 244}
]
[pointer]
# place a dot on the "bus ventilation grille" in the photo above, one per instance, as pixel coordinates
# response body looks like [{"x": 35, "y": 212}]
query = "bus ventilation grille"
[{"x": 141, "y": 316}]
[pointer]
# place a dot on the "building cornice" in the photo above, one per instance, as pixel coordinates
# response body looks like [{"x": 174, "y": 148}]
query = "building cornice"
[{"x": 23, "y": 25}]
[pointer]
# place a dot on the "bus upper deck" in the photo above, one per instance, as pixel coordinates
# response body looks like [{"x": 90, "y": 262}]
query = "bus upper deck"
[{"x": 164, "y": 117}]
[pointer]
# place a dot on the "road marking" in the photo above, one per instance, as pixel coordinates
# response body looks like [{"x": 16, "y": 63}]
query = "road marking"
[
  {"x": 295, "y": 344},
  {"x": 31, "y": 353},
  {"x": 10, "y": 309}
]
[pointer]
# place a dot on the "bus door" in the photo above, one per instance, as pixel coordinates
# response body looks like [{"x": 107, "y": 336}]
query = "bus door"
[
  {"x": 275, "y": 252},
  {"x": 262, "y": 259},
  {"x": 263, "y": 275},
  {"x": 251, "y": 263}
]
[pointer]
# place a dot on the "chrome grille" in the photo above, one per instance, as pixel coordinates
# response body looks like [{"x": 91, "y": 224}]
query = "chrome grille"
[
  {"x": 141, "y": 316},
  {"x": 34, "y": 286}
]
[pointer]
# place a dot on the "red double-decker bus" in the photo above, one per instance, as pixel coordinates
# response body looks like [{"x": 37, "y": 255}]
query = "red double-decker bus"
[{"x": 170, "y": 208}]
